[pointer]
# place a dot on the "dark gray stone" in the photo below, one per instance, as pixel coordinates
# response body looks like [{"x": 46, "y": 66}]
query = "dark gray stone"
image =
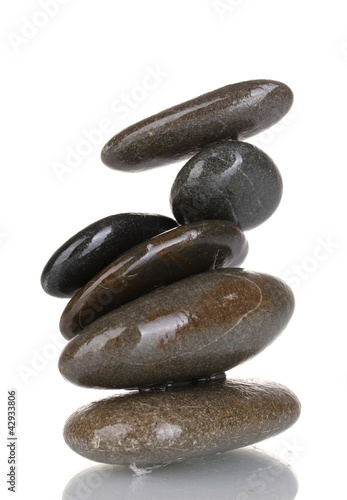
[
  {"x": 194, "y": 328},
  {"x": 164, "y": 426},
  {"x": 230, "y": 180},
  {"x": 83, "y": 255},
  {"x": 165, "y": 258},
  {"x": 236, "y": 111}
]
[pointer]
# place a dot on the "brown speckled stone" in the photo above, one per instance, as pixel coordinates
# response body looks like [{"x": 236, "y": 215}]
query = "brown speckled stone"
[
  {"x": 165, "y": 426},
  {"x": 236, "y": 111},
  {"x": 168, "y": 257},
  {"x": 199, "y": 326}
]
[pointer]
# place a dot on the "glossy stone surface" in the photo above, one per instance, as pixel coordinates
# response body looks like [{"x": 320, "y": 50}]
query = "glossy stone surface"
[
  {"x": 233, "y": 112},
  {"x": 166, "y": 258},
  {"x": 164, "y": 426},
  {"x": 231, "y": 180},
  {"x": 194, "y": 328},
  {"x": 83, "y": 255}
]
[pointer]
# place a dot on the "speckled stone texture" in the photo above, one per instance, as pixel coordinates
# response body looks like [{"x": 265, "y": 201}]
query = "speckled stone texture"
[
  {"x": 168, "y": 257},
  {"x": 94, "y": 247},
  {"x": 158, "y": 427},
  {"x": 230, "y": 180},
  {"x": 236, "y": 111},
  {"x": 199, "y": 326}
]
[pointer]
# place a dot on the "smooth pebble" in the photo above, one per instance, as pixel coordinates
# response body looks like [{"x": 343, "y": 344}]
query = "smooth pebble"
[
  {"x": 191, "y": 329},
  {"x": 230, "y": 180},
  {"x": 176, "y": 424},
  {"x": 235, "y": 111}
]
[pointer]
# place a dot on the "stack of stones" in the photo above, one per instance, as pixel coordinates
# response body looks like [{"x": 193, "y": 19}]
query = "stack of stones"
[{"x": 162, "y": 308}]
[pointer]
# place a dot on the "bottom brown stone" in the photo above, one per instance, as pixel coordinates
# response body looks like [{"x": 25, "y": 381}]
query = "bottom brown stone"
[{"x": 168, "y": 425}]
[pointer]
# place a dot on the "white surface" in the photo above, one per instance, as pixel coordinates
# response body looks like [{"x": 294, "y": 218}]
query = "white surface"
[
  {"x": 242, "y": 474},
  {"x": 68, "y": 79}
]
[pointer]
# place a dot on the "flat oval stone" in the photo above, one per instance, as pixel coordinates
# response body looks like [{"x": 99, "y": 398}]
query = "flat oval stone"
[
  {"x": 165, "y": 426},
  {"x": 191, "y": 329},
  {"x": 165, "y": 258},
  {"x": 231, "y": 180},
  {"x": 83, "y": 255},
  {"x": 236, "y": 111}
]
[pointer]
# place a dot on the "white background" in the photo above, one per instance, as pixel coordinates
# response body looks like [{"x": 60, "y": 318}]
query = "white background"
[{"x": 70, "y": 76}]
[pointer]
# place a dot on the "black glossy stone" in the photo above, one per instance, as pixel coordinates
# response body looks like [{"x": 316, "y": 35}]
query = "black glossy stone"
[
  {"x": 160, "y": 427},
  {"x": 83, "y": 255},
  {"x": 230, "y": 180},
  {"x": 159, "y": 261},
  {"x": 197, "y": 327},
  {"x": 233, "y": 112}
]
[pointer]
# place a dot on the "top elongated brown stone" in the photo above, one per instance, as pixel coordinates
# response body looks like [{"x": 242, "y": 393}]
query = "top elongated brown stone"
[{"x": 235, "y": 111}]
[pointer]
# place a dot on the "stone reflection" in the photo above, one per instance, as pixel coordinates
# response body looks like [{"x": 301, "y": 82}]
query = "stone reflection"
[{"x": 244, "y": 474}]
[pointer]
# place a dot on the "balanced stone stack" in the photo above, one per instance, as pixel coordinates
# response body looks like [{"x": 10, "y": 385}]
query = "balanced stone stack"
[{"x": 163, "y": 309}]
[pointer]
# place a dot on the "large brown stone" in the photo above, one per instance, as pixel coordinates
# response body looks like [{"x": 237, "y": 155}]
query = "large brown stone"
[
  {"x": 194, "y": 328},
  {"x": 236, "y": 111},
  {"x": 164, "y": 426},
  {"x": 165, "y": 258}
]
